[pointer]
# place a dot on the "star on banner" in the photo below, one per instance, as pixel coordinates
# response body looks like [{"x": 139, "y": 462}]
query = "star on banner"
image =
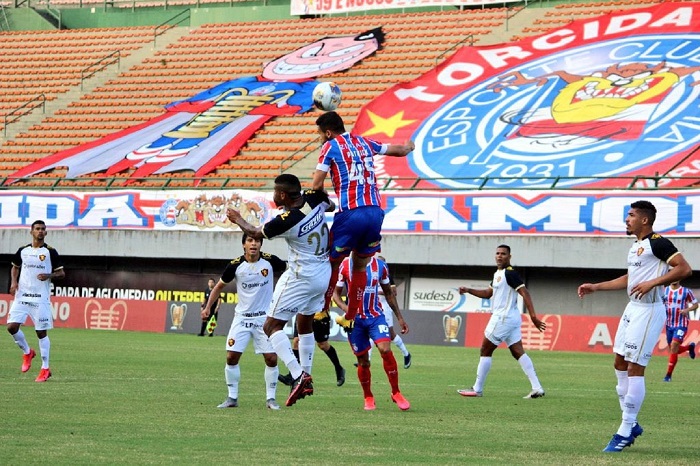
[{"x": 388, "y": 126}]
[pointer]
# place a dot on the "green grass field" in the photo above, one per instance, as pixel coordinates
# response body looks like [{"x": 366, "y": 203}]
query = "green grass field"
[{"x": 137, "y": 398}]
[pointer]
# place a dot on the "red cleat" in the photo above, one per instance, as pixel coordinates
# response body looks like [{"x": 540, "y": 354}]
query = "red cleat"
[
  {"x": 400, "y": 401},
  {"x": 27, "y": 360},
  {"x": 43, "y": 376},
  {"x": 301, "y": 388},
  {"x": 369, "y": 404}
]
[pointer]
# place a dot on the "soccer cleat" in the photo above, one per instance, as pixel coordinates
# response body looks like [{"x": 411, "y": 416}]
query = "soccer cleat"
[
  {"x": 470, "y": 392},
  {"x": 286, "y": 379},
  {"x": 27, "y": 360},
  {"x": 301, "y": 388},
  {"x": 618, "y": 443},
  {"x": 407, "y": 361},
  {"x": 667, "y": 378},
  {"x": 400, "y": 401},
  {"x": 345, "y": 323},
  {"x": 537, "y": 393},
  {"x": 229, "y": 403},
  {"x": 637, "y": 430},
  {"x": 272, "y": 404},
  {"x": 691, "y": 350},
  {"x": 44, "y": 375},
  {"x": 369, "y": 404},
  {"x": 340, "y": 377}
]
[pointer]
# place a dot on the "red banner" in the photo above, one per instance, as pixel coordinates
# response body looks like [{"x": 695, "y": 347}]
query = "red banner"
[
  {"x": 101, "y": 314},
  {"x": 591, "y": 334}
]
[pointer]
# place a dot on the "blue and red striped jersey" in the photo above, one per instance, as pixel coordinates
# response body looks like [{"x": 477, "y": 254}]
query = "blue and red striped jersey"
[
  {"x": 676, "y": 301},
  {"x": 350, "y": 160},
  {"x": 377, "y": 274}
]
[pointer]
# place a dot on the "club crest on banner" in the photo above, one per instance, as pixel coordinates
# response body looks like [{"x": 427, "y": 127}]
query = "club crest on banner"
[{"x": 613, "y": 96}]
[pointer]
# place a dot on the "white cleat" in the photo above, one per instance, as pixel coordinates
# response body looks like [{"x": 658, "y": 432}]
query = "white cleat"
[
  {"x": 272, "y": 404},
  {"x": 229, "y": 403}
]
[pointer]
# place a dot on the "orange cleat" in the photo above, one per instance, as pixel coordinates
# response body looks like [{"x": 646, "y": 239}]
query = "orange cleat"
[
  {"x": 43, "y": 376},
  {"x": 27, "y": 360},
  {"x": 369, "y": 404},
  {"x": 400, "y": 401}
]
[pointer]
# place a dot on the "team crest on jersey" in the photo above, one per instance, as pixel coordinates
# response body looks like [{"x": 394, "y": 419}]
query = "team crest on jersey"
[
  {"x": 42, "y": 257},
  {"x": 606, "y": 115},
  {"x": 498, "y": 279},
  {"x": 231, "y": 342},
  {"x": 264, "y": 272},
  {"x": 640, "y": 251}
]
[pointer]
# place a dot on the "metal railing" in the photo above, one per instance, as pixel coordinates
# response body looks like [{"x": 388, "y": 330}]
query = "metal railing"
[
  {"x": 469, "y": 38},
  {"x": 166, "y": 25},
  {"x": 628, "y": 183},
  {"x": 293, "y": 160},
  {"x": 99, "y": 65},
  {"x": 632, "y": 182},
  {"x": 24, "y": 109}
]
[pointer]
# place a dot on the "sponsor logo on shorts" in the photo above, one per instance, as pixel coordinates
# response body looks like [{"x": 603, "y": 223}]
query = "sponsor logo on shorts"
[{"x": 631, "y": 346}]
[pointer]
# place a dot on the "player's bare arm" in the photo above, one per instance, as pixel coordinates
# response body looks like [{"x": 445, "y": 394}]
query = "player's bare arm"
[
  {"x": 213, "y": 298},
  {"x": 56, "y": 274},
  {"x": 619, "y": 283},
  {"x": 390, "y": 296},
  {"x": 338, "y": 299},
  {"x": 14, "y": 280},
  {"x": 680, "y": 270},
  {"x": 484, "y": 294},
  {"x": 319, "y": 179},
  {"x": 235, "y": 217},
  {"x": 400, "y": 150},
  {"x": 689, "y": 309},
  {"x": 527, "y": 300}
]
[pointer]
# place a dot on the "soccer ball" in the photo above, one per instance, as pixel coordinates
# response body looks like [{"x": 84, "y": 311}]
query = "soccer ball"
[{"x": 327, "y": 96}]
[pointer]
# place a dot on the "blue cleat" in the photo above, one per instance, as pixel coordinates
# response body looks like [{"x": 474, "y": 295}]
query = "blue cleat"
[
  {"x": 637, "y": 430},
  {"x": 691, "y": 350},
  {"x": 618, "y": 443},
  {"x": 667, "y": 378}
]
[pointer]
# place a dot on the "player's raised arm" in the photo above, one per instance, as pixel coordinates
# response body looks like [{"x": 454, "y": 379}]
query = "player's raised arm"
[
  {"x": 400, "y": 150},
  {"x": 235, "y": 217}
]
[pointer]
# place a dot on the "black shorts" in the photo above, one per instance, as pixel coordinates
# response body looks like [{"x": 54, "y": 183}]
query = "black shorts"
[{"x": 322, "y": 329}]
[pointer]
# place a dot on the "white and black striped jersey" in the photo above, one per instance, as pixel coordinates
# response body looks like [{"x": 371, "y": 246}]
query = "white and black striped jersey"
[
  {"x": 31, "y": 262},
  {"x": 505, "y": 284},
  {"x": 254, "y": 281},
  {"x": 306, "y": 232},
  {"x": 648, "y": 259}
]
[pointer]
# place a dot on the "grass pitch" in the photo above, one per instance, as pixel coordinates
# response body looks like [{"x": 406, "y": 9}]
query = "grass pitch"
[{"x": 138, "y": 398}]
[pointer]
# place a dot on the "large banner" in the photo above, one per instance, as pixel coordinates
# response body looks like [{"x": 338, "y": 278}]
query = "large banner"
[
  {"x": 319, "y": 7},
  {"x": 584, "y": 213},
  {"x": 564, "y": 333},
  {"x": 599, "y": 98}
]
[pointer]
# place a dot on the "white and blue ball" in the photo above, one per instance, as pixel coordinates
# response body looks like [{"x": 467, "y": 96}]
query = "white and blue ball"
[{"x": 327, "y": 96}]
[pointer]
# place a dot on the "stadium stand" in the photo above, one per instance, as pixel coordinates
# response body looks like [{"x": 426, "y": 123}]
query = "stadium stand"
[{"x": 214, "y": 53}]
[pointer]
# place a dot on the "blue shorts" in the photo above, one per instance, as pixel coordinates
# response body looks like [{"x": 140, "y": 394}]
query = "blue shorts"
[
  {"x": 675, "y": 333},
  {"x": 374, "y": 328},
  {"x": 357, "y": 230}
]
